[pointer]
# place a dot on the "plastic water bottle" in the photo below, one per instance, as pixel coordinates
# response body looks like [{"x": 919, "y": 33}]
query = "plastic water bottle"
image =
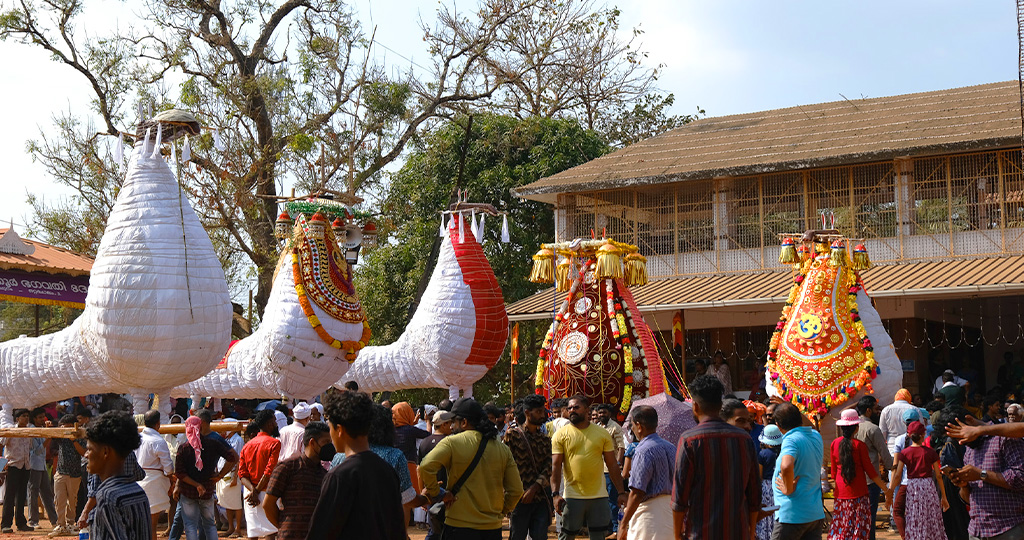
[{"x": 83, "y": 533}]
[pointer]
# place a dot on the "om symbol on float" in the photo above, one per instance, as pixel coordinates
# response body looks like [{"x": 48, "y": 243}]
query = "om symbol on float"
[{"x": 809, "y": 326}]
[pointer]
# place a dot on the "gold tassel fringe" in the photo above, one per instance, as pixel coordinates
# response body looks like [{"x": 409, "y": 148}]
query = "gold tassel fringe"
[
  {"x": 636, "y": 270},
  {"x": 562, "y": 281},
  {"x": 543, "y": 267},
  {"x": 861, "y": 261},
  {"x": 609, "y": 263},
  {"x": 838, "y": 258},
  {"x": 788, "y": 255}
]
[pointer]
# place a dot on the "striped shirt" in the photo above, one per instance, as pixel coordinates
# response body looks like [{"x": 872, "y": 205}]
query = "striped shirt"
[
  {"x": 122, "y": 511},
  {"x": 717, "y": 484},
  {"x": 296, "y": 481}
]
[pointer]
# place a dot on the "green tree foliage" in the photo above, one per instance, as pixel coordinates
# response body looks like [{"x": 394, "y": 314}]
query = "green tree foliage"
[
  {"x": 18, "y": 319},
  {"x": 503, "y": 153}
]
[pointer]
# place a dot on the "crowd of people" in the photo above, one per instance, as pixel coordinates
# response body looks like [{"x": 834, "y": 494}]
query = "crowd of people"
[{"x": 352, "y": 468}]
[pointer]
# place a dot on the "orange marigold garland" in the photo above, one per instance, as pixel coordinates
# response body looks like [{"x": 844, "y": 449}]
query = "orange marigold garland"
[{"x": 351, "y": 348}]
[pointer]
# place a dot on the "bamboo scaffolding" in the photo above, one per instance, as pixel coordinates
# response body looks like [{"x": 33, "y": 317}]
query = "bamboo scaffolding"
[{"x": 79, "y": 432}]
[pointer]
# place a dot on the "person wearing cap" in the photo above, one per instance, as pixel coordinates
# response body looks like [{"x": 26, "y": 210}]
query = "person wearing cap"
[
  {"x": 924, "y": 506},
  {"x": 851, "y": 518},
  {"x": 878, "y": 451},
  {"x": 891, "y": 421},
  {"x": 316, "y": 412},
  {"x": 531, "y": 450},
  {"x": 771, "y": 441},
  {"x": 492, "y": 488},
  {"x": 648, "y": 511},
  {"x": 291, "y": 435}
]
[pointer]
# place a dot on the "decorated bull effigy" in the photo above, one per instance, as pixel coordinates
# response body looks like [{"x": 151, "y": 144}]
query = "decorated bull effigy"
[
  {"x": 829, "y": 345},
  {"x": 313, "y": 326},
  {"x": 460, "y": 326},
  {"x": 157, "y": 313},
  {"x": 598, "y": 344}
]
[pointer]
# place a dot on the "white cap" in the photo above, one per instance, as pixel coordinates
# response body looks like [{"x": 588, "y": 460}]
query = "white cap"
[
  {"x": 317, "y": 406},
  {"x": 301, "y": 411},
  {"x": 282, "y": 420},
  {"x": 442, "y": 416}
]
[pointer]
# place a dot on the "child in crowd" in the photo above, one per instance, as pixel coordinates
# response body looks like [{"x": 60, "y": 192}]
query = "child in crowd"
[{"x": 771, "y": 443}]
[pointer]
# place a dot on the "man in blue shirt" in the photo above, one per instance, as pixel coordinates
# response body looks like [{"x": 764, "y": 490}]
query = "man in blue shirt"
[
  {"x": 798, "y": 478},
  {"x": 648, "y": 512}
]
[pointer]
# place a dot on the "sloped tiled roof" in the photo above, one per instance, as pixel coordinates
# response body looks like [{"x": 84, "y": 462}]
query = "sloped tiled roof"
[
  {"x": 934, "y": 278},
  {"x": 825, "y": 134},
  {"x": 47, "y": 258}
]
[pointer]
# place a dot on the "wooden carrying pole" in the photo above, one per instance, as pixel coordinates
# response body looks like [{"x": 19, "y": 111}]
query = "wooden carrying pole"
[{"x": 79, "y": 432}]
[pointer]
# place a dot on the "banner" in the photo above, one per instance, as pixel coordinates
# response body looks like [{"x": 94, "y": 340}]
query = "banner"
[
  {"x": 515, "y": 344},
  {"x": 44, "y": 289}
]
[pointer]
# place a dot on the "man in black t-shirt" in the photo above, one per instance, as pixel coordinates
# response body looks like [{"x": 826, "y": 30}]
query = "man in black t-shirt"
[{"x": 360, "y": 498}]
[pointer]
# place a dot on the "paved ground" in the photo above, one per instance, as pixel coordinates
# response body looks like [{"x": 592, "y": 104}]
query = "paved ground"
[{"x": 415, "y": 534}]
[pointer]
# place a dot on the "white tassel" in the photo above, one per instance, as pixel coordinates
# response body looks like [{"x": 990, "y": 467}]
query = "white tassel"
[
  {"x": 119, "y": 151},
  {"x": 480, "y": 230},
  {"x": 145, "y": 143},
  {"x": 472, "y": 224},
  {"x": 462, "y": 227},
  {"x": 217, "y": 142},
  {"x": 442, "y": 230},
  {"x": 186, "y": 150},
  {"x": 174, "y": 152},
  {"x": 504, "y": 229},
  {"x": 159, "y": 141}
]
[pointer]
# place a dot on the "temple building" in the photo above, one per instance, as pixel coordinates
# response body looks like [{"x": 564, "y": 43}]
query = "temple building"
[{"x": 932, "y": 182}]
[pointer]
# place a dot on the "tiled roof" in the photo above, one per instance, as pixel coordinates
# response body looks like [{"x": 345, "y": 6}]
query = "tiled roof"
[
  {"x": 47, "y": 258},
  {"x": 962, "y": 276},
  {"x": 825, "y": 134}
]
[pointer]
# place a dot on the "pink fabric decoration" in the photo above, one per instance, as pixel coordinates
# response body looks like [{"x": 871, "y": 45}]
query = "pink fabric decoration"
[{"x": 192, "y": 434}]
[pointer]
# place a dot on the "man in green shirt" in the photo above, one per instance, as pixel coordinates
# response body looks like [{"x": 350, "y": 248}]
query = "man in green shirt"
[{"x": 491, "y": 490}]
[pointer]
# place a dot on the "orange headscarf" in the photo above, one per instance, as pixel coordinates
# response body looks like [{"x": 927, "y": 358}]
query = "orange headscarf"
[
  {"x": 904, "y": 395},
  {"x": 402, "y": 414}
]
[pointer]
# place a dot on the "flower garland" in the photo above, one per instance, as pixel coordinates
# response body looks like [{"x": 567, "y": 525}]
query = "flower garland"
[
  {"x": 351, "y": 348},
  {"x": 610, "y": 302}
]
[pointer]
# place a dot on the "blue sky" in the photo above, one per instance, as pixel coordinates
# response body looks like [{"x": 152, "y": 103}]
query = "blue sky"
[{"x": 726, "y": 56}]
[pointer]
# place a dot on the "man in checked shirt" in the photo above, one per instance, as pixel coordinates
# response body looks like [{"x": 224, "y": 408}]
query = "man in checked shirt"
[
  {"x": 531, "y": 450},
  {"x": 992, "y": 478}
]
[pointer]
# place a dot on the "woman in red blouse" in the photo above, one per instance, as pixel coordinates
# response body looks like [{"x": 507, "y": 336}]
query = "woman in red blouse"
[{"x": 851, "y": 519}]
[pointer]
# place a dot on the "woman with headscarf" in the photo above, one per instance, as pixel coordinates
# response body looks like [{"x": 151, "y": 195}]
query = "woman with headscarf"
[{"x": 407, "y": 437}]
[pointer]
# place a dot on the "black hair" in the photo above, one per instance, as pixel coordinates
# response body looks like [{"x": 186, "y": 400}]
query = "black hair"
[
  {"x": 532, "y": 401},
  {"x": 730, "y": 406},
  {"x": 584, "y": 400},
  {"x": 350, "y": 410},
  {"x": 646, "y": 416},
  {"x": 847, "y": 466},
  {"x": 82, "y": 411},
  {"x": 261, "y": 418},
  {"x": 917, "y": 437},
  {"x": 252, "y": 429},
  {"x": 558, "y": 403},
  {"x": 205, "y": 415},
  {"x": 117, "y": 430},
  {"x": 151, "y": 419},
  {"x": 934, "y": 406},
  {"x": 865, "y": 403},
  {"x": 787, "y": 416},
  {"x": 445, "y": 405},
  {"x": 37, "y": 411},
  {"x": 947, "y": 377},
  {"x": 491, "y": 409},
  {"x": 19, "y": 411},
  {"x": 382, "y": 429},
  {"x": 67, "y": 419},
  {"x": 948, "y": 416},
  {"x": 519, "y": 411},
  {"x": 699, "y": 361},
  {"x": 352, "y": 386},
  {"x": 707, "y": 391},
  {"x": 485, "y": 427},
  {"x": 313, "y": 430}
]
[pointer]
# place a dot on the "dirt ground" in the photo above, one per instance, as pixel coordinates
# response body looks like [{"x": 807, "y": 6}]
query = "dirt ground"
[{"x": 414, "y": 533}]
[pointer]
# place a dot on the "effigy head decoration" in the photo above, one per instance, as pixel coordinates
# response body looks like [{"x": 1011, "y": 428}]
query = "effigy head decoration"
[
  {"x": 598, "y": 344},
  {"x": 820, "y": 353}
]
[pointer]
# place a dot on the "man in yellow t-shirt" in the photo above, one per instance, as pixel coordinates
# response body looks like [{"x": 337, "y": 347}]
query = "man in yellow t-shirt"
[{"x": 582, "y": 448}]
